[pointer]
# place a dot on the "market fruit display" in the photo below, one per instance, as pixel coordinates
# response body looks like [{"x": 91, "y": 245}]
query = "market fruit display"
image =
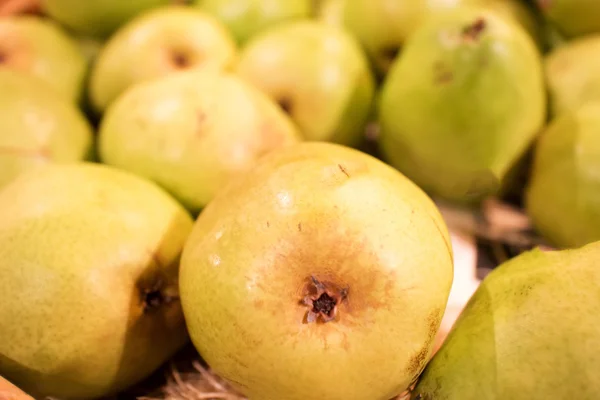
[
  {"x": 572, "y": 74},
  {"x": 528, "y": 333},
  {"x": 193, "y": 132},
  {"x": 245, "y": 18},
  {"x": 318, "y": 74},
  {"x": 563, "y": 194},
  {"x": 155, "y": 44},
  {"x": 463, "y": 104},
  {"x": 42, "y": 48},
  {"x": 98, "y": 18},
  {"x": 89, "y": 280},
  {"x": 39, "y": 126},
  {"x": 319, "y": 262}
]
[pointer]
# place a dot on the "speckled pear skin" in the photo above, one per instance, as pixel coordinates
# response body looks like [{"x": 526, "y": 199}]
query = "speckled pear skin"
[
  {"x": 42, "y": 48},
  {"x": 572, "y": 74},
  {"x": 193, "y": 132},
  {"x": 155, "y": 44},
  {"x": 38, "y": 127},
  {"x": 573, "y": 18},
  {"x": 246, "y": 18},
  {"x": 563, "y": 193},
  {"x": 89, "y": 260},
  {"x": 324, "y": 211},
  {"x": 463, "y": 104},
  {"x": 528, "y": 333},
  {"x": 318, "y": 73}
]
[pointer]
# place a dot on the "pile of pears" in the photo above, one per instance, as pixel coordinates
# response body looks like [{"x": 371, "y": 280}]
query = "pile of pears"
[{"x": 261, "y": 179}]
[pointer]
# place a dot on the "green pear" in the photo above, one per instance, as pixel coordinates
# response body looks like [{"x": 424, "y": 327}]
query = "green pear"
[
  {"x": 8, "y": 391},
  {"x": 463, "y": 104},
  {"x": 563, "y": 194},
  {"x": 528, "y": 333},
  {"x": 321, "y": 274},
  {"x": 89, "y": 258},
  {"x": 572, "y": 17},
  {"x": 155, "y": 44},
  {"x": 40, "y": 47},
  {"x": 524, "y": 14},
  {"x": 384, "y": 26},
  {"x": 331, "y": 12},
  {"x": 572, "y": 74},
  {"x": 318, "y": 74},
  {"x": 192, "y": 132},
  {"x": 98, "y": 18},
  {"x": 245, "y": 18},
  {"x": 39, "y": 127}
]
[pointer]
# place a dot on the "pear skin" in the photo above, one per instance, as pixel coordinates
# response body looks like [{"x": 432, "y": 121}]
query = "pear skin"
[
  {"x": 155, "y": 44},
  {"x": 89, "y": 259},
  {"x": 463, "y": 104},
  {"x": 572, "y": 74},
  {"x": 528, "y": 333},
  {"x": 42, "y": 48},
  {"x": 573, "y": 18},
  {"x": 39, "y": 127},
  {"x": 192, "y": 132},
  {"x": 321, "y": 274},
  {"x": 563, "y": 193}
]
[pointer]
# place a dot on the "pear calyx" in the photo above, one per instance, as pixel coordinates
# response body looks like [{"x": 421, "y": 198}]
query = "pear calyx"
[{"x": 322, "y": 300}]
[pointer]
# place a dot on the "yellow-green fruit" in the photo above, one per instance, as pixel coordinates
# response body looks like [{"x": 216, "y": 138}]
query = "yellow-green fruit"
[
  {"x": 89, "y": 260},
  {"x": 321, "y": 274},
  {"x": 573, "y": 74},
  {"x": 40, "y": 47},
  {"x": 96, "y": 17},
  {"x": 563, "y": 195},
  {"x": 8, "y": 391},
  {"x": 528, "y": 333},
  {"x": 522, "y": 13},
  {"x": 246, "y": 18},
  {"x": 38, "y": 126},
  {"x": 155, "y": 44},
  {"x": 192, "y": 132},
  {"x": 463, "y": 104},
  {"x": 572, "y": 17},
  {"x": 318, "y": 74}
]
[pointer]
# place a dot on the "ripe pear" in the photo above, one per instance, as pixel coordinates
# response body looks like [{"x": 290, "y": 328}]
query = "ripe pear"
[
  {"x": 245, "y": 18},
  {"x": 384, "y": 26},
  {"x": 98, "y": 18},
  {"x": 572, "y": 17},
  {"x": 318, "y": 74},
  {"x": 40, "y": 47},
  {"x": 528, "y": 333},
  {"x": 8, "y": 391},
  {"x": 89, "y": 258},
  {"x": 155, "y": 44},
  {"x": 463, "y": 104},
  {"x": 572, "y": 74},
  {"x": 192, "y": 132},
  {"x": 39, "y": 127},
  {"x": 563, "y": 194},
  {"x": 321, "y": 274}
]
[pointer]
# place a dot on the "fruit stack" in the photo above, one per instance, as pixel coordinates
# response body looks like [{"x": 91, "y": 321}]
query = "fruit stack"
[{"x": 263, "y": 182}]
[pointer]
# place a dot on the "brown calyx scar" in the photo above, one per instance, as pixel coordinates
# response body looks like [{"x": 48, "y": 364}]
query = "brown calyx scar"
[{"x": 322, "y": 300}]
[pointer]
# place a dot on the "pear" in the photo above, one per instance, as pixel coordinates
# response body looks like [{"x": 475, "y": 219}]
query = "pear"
[
  {"x": 245, "y": 18},
  {"x": 528, "y": 333},
  {"x": 98, "y": 18},
  {"x": 323, "y": 273},
  {"x": 192, "y": 132},
  {"x": 463, "y": 104},
  {"x": 42, "y": 48},
  {"x": 572, "y": 74},
  {"x": 563, "y": 194},
  {"x": 572, "y": 18},
  {"x": 89, "y": 259},
  {"x": 318, "y": 74},
  {"x": 39, "y": 127},
  {"x": 8, "y": 391},
  {"x": 155, "y": 44}
]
